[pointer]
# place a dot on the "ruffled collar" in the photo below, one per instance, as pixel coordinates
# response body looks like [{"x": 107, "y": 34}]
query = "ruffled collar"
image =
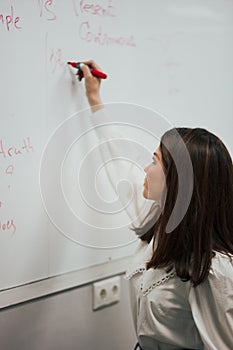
[
  {"x": 141, "y": 256},
  {"x": 153, "y": 277}
]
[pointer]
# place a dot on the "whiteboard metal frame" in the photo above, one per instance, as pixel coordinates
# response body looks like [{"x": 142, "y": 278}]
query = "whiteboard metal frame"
[{"x": 61, "y": 283}]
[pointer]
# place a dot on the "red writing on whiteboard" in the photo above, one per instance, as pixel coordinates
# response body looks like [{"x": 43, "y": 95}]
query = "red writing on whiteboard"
[
  {"x": 96, "y": 8},
  {"x": 56, "y": 59},
  {"x": 8, "y": 152},
  {"x": 8, "y": 170},
  {"x": 9, "y": 20},
  {"x": 102, "y": 38},
  {"x": 7, "y": 225},
  {"x": 46, "y": 10}
]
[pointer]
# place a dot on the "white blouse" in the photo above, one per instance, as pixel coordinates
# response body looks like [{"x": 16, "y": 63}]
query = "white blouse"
[{"x": 170, "y": 314}]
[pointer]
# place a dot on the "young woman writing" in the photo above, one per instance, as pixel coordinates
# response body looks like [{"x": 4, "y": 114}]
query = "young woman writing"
[{"x": 181, "y": 283}]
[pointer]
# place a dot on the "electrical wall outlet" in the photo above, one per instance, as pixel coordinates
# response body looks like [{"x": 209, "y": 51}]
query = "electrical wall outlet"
[{"x": 106, "y": 292}]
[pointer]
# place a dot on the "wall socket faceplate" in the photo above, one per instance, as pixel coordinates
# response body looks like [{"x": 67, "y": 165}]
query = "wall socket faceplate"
[{"x": 106, "y": 292}]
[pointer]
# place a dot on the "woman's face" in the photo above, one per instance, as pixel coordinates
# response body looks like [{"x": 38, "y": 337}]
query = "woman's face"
[{"x": 155, "y": 180}]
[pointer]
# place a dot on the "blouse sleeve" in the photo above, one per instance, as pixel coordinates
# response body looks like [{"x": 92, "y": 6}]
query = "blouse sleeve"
[
  {"x": 124, "y": 162},
  {"x": 212, "y": 305}
]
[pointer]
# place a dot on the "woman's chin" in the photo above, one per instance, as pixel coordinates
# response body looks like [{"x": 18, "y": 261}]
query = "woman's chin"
[{"x": 145, "y": 193}]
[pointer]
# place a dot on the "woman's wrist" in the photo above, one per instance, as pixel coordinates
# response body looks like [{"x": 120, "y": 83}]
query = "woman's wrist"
[
  {"x": 92, "y": 85},
  {"x": 95, "y": 102}
]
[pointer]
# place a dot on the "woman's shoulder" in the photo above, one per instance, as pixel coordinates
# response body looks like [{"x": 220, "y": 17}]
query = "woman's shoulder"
[
  {"x": 214, "y": 295},
  {"x": 221, "y": 266},
  {"x": 220, "y": 274}
]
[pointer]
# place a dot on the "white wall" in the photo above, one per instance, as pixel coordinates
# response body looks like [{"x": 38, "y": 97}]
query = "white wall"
[{"x": 66, "y": 322}]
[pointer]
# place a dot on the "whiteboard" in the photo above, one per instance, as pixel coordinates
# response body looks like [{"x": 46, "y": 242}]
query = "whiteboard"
[{"x": 174, "y": 57}]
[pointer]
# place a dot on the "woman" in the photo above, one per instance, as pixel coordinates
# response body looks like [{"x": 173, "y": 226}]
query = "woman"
[{"x": 181, "y": 283}]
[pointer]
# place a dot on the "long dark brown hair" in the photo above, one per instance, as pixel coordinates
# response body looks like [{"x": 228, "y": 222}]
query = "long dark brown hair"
[{"x": 207, "y": 225}]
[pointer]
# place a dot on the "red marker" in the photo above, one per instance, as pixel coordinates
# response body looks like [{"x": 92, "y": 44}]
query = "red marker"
[{"x": 94, "y": 72}]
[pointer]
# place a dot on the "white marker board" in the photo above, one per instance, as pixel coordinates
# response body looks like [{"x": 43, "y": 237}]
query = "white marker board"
[{"x": 171, "y": 56}]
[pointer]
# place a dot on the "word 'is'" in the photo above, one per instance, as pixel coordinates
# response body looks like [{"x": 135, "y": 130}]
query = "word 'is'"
[{"x": 46, "y": 11}]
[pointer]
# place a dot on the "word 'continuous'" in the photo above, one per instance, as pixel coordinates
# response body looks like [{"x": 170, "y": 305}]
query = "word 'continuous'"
[{"x": 102, "y": 38}]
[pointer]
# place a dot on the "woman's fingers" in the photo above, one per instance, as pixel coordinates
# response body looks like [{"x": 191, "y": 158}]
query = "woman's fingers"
[
  {"x": 92, "y": 64},
  {"x": 86, "y": 71}
]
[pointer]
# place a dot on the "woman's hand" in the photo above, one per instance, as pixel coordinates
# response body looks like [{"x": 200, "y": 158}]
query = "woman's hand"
[{"x": 92, "y": 85}]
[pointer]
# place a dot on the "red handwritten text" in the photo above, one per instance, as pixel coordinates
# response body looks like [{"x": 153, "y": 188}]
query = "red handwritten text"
[
  {"x": 7, "y": 170},
  {"x": 56, "y": 60},
  {"x": 46, "y": 11},
  {"x": 8, "y": 225},
  {"x": 95, "y": 8},
  {"x": 10, "y": 21},
  {"x": 101, "y": 38},
  {"x": 9, "y": 152}
]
